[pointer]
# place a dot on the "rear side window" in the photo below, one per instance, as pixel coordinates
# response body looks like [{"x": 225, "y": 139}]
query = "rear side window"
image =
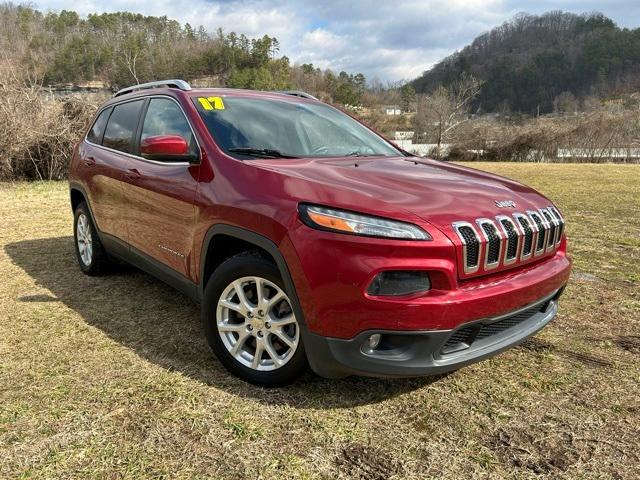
[
  {"x": 122, "y": 126},
  {"x": 96, "y": 132}
]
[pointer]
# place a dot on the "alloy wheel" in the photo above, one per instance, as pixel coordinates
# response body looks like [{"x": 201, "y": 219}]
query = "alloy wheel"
[
  {"x": 256, "y": 323},
  {"x": 84, "y": 240}
]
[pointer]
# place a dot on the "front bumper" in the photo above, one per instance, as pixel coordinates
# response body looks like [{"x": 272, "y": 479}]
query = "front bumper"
[
  {"x": 419, "y": 353},
  {"x": 332, "y": 273}
]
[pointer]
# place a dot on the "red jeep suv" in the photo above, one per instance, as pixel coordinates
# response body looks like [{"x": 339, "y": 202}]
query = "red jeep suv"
[{"x": 309, "y": 239}]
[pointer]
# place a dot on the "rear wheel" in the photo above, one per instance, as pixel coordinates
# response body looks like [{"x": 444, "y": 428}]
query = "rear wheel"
[
  {"x": 250, "y": 323},
  {"x": 92, "y": 257}
]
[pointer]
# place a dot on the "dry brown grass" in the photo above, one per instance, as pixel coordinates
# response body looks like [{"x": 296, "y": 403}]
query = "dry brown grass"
[
  {"x": 111, "y": 378},
  {"x": 584, "y": 138}
]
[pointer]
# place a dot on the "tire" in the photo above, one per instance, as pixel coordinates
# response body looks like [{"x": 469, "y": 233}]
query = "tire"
[
  {"x": 92, "y": 257},
  {"x": 236, "y": 330}
]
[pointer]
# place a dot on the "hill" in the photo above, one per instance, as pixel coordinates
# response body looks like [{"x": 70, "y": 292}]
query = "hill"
[
  {"x": 532, "y": 62},
  {"x": 123, "y": 48}
]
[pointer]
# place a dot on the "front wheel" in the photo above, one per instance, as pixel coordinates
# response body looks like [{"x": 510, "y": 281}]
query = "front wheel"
[{"x": 250, "y": 323}]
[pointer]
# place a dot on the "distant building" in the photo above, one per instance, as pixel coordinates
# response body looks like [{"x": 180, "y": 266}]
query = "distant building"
[
  {"x": 206, "y": 81},
  {"x": 403, "y": 135},
  {"x": 92, "y": 85},
  {"x": 392, "y": 110},
  {"x": 65, "y": 89}
]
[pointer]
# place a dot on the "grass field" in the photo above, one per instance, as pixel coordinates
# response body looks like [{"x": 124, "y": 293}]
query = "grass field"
[{"x": 111, "y": 377}]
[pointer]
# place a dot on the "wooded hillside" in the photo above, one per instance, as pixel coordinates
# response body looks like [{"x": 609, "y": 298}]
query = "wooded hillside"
[
  {"x": 582, "y": 67},
  {"x": 533, "y": 63},
  {"x": 126, "y": 48}
]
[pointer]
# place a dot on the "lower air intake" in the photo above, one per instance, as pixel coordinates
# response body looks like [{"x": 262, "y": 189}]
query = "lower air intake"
[{"x": 467, "y": 336}]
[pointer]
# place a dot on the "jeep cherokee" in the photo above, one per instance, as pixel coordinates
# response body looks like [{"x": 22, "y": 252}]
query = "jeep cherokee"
[{"x": 309, "y": 239}]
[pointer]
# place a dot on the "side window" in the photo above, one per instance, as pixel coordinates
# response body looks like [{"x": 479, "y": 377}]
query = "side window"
[
  {"x": 122, "y": 125},
  {"x": 164, "y": 117},
  {"x": 96, "y": 132}
]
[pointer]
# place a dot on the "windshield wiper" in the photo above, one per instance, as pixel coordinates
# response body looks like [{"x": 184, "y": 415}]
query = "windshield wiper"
[
  {"x": 358, "y": 153},
  {"x": 261, "y": 152}
]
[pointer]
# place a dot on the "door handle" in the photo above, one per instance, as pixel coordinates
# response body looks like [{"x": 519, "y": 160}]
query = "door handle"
[
  {"x": 132, "y": 174},
  {"x": 89, "y": 161}
]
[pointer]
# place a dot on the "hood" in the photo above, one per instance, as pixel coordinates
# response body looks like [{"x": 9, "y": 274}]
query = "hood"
[{"x": 437, "y": 192}]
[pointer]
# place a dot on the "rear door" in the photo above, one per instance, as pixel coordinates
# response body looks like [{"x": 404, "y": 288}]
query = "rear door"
[
  {"x": 105, "y": 159},
  {"x": 161, "y": 194}
]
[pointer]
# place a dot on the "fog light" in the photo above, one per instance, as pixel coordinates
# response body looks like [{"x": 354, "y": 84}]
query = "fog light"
[
  {"x": 372, "y": 342},
  {"x": 399, "y": 282}
]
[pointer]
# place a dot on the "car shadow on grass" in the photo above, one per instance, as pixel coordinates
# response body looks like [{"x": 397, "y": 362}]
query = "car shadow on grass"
[{"x": 163, "y": 326}]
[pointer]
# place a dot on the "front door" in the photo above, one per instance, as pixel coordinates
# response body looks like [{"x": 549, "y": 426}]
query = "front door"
[{"x": 161, "y": 195}]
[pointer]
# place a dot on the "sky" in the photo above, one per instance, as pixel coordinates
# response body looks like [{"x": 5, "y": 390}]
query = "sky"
[{"x": 391, "y": 40}]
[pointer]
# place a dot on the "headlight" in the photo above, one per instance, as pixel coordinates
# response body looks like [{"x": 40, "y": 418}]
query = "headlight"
[{"x": 324, "y": 218}]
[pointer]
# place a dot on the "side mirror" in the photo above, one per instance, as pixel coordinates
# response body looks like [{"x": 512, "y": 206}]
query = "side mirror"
[{"x": 167, "y": 148}]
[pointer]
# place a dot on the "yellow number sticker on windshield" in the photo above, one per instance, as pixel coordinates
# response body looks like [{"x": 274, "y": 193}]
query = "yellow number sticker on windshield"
[
  {"x": 216, "y": 102},
  {"x": 211, "y": 103},
  {"x": 205, "y": 103}
]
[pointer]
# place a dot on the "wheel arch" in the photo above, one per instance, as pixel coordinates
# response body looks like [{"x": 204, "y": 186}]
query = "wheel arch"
[
  {"x": 211, "y": 257},
  {"x": 77, "y": 196}
]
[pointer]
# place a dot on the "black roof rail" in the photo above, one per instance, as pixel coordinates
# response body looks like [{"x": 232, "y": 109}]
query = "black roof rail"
[
  {"x": 175, "y": 83},
  {"x": 297, "y": 93}
]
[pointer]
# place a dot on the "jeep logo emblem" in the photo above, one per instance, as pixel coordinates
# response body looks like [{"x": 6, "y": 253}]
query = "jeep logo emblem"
[{"x": 505, "y": 204}]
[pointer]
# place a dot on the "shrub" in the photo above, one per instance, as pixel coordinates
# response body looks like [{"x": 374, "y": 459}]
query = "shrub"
[
  {"x": 38, "y": 131},
  {"x": 458, "y": 153}
]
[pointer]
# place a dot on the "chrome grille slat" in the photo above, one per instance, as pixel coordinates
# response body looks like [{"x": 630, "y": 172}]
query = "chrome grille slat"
[
  {"x": 543, "y": 230},
  {"x": 512, "y": 239},
  {"x": 553, "y": 224},
  {"x": 560, "y": 230},
  {"x": 471, "y": 245},
  {"x": 505, "y": 240},
  {"x": 528, "y": 235},
  {"x": 494, "y": 243},
  {"x": 556, "y": 223}
]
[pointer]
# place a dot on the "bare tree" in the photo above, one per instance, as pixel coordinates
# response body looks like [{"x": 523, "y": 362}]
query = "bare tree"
[
  {"x": 447, "y": 108},
  {"x": 130, "y": 59}
]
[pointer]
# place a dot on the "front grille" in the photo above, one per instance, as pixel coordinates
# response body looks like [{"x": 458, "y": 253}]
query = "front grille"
[
  {"x": 509, "y": 239},
  {"x": 465, "y": 337}
]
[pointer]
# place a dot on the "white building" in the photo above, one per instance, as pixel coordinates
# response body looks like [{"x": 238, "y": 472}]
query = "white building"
[
  {"x": 403, "y": 135},
  {"x": 392, "y": 110}
]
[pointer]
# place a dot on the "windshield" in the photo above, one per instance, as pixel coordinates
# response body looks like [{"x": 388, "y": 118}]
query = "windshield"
[{"x": 245, "y": 127}]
